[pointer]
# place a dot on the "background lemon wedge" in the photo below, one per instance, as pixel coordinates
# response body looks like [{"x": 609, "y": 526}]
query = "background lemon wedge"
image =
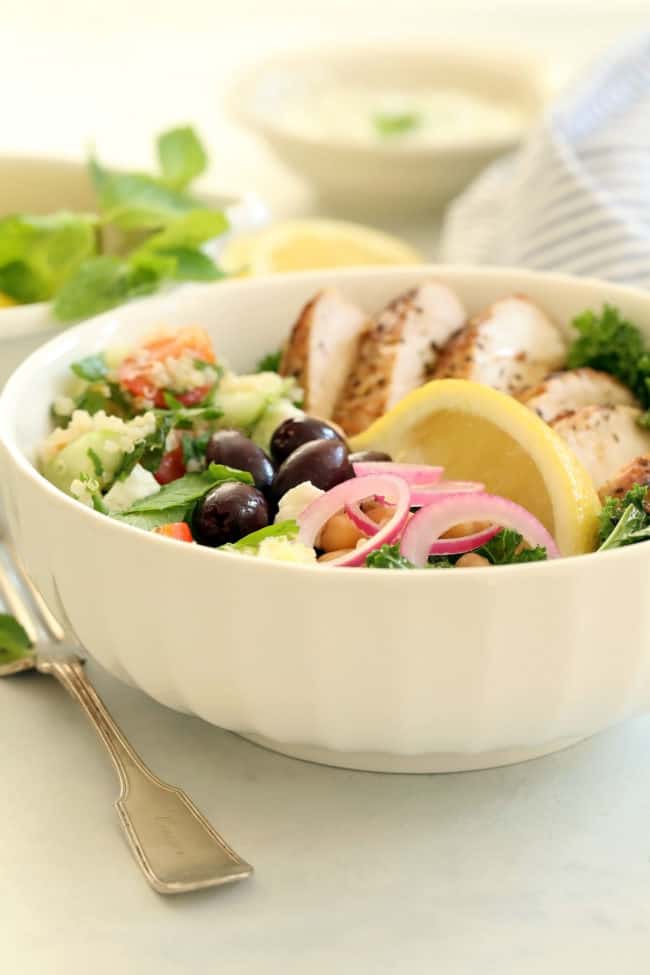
[
  {"x": 302, "y": 245},
  {"x": 480, "y": 434}
]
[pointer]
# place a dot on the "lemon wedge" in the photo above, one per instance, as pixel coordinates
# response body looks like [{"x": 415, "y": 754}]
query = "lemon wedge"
[
  {"x": 6, "y": 301},
  {"x": 303, "y": 245},
  {"x": 480, "y": 434}
]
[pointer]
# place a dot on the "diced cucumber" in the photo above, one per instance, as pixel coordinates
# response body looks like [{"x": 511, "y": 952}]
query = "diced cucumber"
[
  {"x": 275, "y": 414},
  {"x": 76, "y": 458}
]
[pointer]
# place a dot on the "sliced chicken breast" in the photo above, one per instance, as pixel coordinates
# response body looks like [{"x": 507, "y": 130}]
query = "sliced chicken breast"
[
  {"x": 638, "y": 472},
  {"x": 511, "y": 345},
  {"x": 565, "y": 392},
  {"x": 397, "y": 352},
  {"x": 604, "y": 438},
  {"x": 322, "y": 349}
]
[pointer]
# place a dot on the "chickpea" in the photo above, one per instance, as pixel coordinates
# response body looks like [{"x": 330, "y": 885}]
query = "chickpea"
[
  {"x": 378, "y": 512},
  {"x": 472, "y": 561},
  {"x": 338, "y": 533},
  {"x": 329, "y": 556},
  {"x": 466, "y": 528}
]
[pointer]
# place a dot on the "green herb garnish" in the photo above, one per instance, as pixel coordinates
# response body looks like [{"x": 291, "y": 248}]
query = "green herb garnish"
[
  {"x": 160, "y": 231},
  {"x": 286, "y": 529},
  {"x": 14, "y": 642},
  {"x": 612, "y": 344},
  {"x": 96, "y": 462},
  {"x": 188, "y": 489},
  {"x": 93, "y": 368},
  {"x": 270, "y": 362},
  {"x": 388, "y": 557},
  {"x": 38, "y": 254},
  {"x": 625, "y": 521},
  {"x": 506, "y": 549},
  {"x": 389, "y": 124}
]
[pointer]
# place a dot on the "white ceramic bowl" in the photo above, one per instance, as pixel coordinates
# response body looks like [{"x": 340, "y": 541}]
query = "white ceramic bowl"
[
  {"x": 408, "y": 671},
  {"x": 393, "y": 176}
]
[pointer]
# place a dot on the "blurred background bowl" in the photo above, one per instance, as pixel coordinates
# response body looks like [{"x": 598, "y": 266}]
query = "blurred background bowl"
[{"x": 386, "y": 175}]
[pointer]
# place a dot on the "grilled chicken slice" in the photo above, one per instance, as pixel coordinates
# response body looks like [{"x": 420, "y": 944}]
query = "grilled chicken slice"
[
  {"x": 397, "y": 352},
  {"x": 604, "y": 438},
  {"x": 322, "y": 348},
  {"x": 511, "y": 345},
  {"x": 638, "y": 472},
  {"x": 565, "y": 392}
]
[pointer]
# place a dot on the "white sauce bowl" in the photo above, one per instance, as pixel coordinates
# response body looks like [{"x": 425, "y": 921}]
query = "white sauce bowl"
[
  {"x": 391, "y": 174},
  {"x": 394, "y": 671}
]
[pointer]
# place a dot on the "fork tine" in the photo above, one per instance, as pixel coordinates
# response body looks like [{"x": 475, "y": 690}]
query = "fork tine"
[{"x": 50, "y": 622}]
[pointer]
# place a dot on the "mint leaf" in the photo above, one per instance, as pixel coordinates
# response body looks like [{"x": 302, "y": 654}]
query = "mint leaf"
[
  {"x": 388, "y": 124},
  {"x": 181, "y": 156},
  {"x": 93, "y": 368},
  {"x": 136, "y": 201},
  {"x": 286, "y": 529},
  {"x": 14, "y": 642},
  {"x": 22, "y": 283},
  {"x": 187, "y": 230},
  {"x": 148, "y": 520},
  {"x": 188, "y": 489},
  {"x": 37, "y": 254},
  {"x": 102, "y": 283}
]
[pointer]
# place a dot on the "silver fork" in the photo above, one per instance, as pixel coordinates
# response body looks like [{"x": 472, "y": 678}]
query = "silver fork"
[{"x": 174, "y": 845}]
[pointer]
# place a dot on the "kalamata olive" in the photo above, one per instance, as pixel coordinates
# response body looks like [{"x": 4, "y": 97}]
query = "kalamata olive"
[
  {"x": 234, "y": 449},
  {"x": 228, "y": 512},
  {"x": 296, "y": 431},
  {"x": 323, "y": 462},
  {"x": 369, "y": 456}
]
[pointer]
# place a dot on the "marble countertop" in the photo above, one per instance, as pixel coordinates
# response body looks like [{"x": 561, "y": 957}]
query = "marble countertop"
[{"x": 536, "y": 868}]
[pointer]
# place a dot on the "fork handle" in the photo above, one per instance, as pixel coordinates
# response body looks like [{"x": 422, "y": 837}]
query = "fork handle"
[{"x": 175, "y": 846}]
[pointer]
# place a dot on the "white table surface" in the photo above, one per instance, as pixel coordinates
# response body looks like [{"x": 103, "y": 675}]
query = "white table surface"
[
  {"x": 530, "y": 870},
  {"x": 534, "y": 869}
]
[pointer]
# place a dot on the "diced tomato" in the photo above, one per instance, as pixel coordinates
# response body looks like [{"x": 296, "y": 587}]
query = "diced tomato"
[
  {"x": 178, "y": 530},
  {"x": 135, "y": 370},
  {"x": 172, "y": 466}
]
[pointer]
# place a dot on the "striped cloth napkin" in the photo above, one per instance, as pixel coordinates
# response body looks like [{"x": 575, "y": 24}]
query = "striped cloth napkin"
[{"x": 576, "y": 197}]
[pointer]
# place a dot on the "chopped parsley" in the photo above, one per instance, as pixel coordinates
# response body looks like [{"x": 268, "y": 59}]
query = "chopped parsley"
[
  {"x": 625, "y": 521},
  {"x": 388, "y": 557},
  {"x": 96, "y": 461},
  {"x": 612, "y": 344},
  {"x": 390, "y": 124},
  {"x": 506, "y": 549}
]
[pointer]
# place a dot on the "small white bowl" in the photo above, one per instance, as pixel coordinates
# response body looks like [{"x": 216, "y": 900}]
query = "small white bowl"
[
  {"x": 393, "y": 175},
  {"x": 393, "y": 671}
]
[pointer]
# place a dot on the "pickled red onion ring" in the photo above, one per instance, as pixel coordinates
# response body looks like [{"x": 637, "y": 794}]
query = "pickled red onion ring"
[
  {"x": 466, "y": 543},
  {"x": 430, "y": 522},
  {"x": 313, "y": 519},
  {"x": 446, "y": 546},
  {"x": 411, "y": 473},
  {"x": 361, "y": 520},
  {"x": 424, "y": 494}
]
